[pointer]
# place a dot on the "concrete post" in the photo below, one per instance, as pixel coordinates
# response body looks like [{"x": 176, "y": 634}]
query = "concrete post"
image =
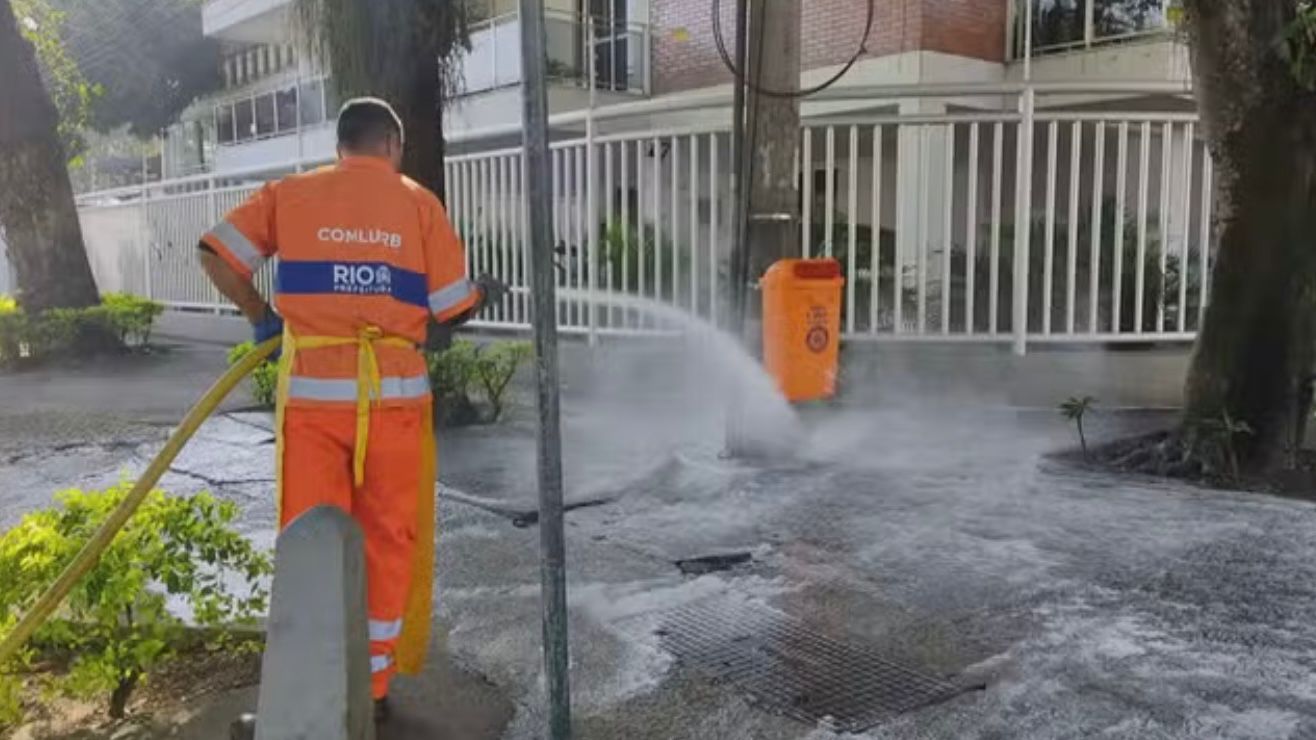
[{"x": 315, "y": 675}]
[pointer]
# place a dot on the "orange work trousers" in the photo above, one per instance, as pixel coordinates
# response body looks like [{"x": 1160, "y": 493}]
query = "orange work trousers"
[{"x": 317, "y": 469}]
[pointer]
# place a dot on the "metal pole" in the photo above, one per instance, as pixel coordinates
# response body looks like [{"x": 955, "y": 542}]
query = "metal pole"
[
  {"x": 739, "y": 255},
  {"x": 553, "y": 585}
]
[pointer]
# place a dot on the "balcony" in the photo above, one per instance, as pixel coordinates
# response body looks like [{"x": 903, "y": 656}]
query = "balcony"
[
  {"x": 246, "y": 21},
  {"x": 619, "y": 57},
  {"x": 1073, "y": 25}
]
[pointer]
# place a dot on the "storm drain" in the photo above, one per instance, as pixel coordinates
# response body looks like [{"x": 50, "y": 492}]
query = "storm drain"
[{"x": 793, "y": 670}]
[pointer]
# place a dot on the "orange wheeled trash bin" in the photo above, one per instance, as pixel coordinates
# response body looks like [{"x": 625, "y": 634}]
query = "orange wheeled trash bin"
[{"x": 802, "y": 326}]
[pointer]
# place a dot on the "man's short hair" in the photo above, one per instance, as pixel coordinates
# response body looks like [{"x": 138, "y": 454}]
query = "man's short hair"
[{"x": 366, "y": 123}]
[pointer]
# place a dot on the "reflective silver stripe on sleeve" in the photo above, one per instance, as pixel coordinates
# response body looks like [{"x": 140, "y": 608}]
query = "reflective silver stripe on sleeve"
[
  {"x": 380, "y": 663},
  {"x": 241, "y": 247},
  {"x": 330, "y": 389},
  {"x": 385, "y": 630},
  {"x": 444, "y": 299}
]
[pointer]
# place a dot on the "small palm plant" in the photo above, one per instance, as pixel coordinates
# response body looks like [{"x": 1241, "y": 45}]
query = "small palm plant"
[
  {"x": 1074, "y": 409},
  {"x": 1225, "y": 430}
]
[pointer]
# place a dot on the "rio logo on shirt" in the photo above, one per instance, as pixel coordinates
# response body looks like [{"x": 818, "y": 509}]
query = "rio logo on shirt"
[{"x": 362, "y": 279}]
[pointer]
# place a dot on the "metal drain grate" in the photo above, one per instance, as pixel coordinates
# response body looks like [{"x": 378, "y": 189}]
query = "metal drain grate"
[{"x": 794, "y": 670}]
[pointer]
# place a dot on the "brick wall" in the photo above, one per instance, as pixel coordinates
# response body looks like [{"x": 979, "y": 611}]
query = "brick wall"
[{"x": 685, "y": 57}]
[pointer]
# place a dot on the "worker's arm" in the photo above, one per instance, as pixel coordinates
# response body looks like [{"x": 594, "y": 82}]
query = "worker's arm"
[
  {"x": 453, "y": 299},
  {"x": 233, "y": 286},
  {"x": 235, "y": 248}
]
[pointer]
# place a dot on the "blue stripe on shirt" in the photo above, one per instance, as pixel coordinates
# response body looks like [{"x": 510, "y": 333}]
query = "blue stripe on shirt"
[{"x": 352, "y": 278}]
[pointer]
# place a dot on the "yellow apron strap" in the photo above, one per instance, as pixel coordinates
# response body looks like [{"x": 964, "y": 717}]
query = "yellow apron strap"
[
  {"x": 414, "y": 642},
  {"x": 282, "y": 390}
]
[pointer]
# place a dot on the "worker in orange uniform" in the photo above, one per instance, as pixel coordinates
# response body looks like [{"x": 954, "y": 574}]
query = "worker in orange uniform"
[{"x": 366, "y": 257}]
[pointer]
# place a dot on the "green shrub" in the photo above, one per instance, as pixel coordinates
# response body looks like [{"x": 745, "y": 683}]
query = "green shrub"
[
  {"x": 496, "y": 365},
  {"x": 465, "y": 368},
  {"x": 121, "y": 320},
  {"x": 263, "y": 381},
  {"x": 115, "y": 626},
  {"x": 131, "y": 318}
]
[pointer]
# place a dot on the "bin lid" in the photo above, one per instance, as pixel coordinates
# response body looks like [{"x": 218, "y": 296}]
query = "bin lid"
[{"x": 804, "y": 269}]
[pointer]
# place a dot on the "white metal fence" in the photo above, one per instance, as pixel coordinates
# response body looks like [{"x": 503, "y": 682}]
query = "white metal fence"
[{"x": 998, "y": 220}]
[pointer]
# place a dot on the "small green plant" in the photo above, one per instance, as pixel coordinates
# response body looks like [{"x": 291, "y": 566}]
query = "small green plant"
[
  {"x": 11, "y": 700},
  {"x": 263, "y": 381},
  {"x": 1222, "y": 433},
  {"x": 116, "y": 626},
  {"x": 465, "y": 368},
  {"x": 1075, "y": 408},
  {"x": 131, "y": 318},
  {"x": 496, "y": 365}
]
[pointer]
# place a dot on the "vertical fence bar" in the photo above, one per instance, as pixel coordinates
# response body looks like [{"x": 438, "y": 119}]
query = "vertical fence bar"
[
  {"x": 1098, "y": 204},
  {"x": 657, "y": 220},
  {"x": 520, "y": 299},
  {"x": 1071, "y": 269},
  {"x": 1049, "y": 240},
  {"x": 1144, "y": 185},
  {"x": 605, "y": 261},
  {"x": 921, "y": 241},
  {"x": 694, "y": 224},
  {"x": 580, "y": 189},
  {"x": 1163, "y": 226},
  {"x": 675, "y": 220},
  {"x": 852, "y": 219},
  {"x": 559, "y": 227},
  {"x": 1203, "y": 245},
  {"x": 1188, "y": 147},
  {"x": 948, "y": 228},
  {"x": 971, "y": 229},
  {"x": 626, "y": 223},
  {"x": 1023, "y": 231},
  {"x": 875, "y": 252},
  {"x": 642, "y": 235},
  {"x": 495, "y": 209},
  {"x": 994, "y": 269},
  {"x": 593, "y": 263},
  {"x": 713, "y": 213},
  {"x": 806, "y": 170},
  {"x": 1121, "y": 192},
  {"x": 829, "y": 198}
]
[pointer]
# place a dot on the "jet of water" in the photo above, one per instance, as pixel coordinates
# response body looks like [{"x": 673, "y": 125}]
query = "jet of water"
[{"x": 759, "y": 419}]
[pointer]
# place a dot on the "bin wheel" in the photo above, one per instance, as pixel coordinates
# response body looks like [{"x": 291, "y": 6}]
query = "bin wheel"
[{"x": 243, "y": 728}]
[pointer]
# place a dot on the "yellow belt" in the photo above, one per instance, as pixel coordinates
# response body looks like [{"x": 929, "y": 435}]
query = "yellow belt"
[{"x": 367, "y": 381}]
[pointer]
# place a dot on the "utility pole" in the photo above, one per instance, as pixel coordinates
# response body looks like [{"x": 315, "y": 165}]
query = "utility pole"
[
  {"x": 773, "y": 129},
  {"x": 766, "y": 137},
  {"x": 539, "y": 196}
]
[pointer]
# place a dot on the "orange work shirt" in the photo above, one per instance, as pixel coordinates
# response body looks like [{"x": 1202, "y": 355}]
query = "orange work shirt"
[{"x": 358, "y": 246}]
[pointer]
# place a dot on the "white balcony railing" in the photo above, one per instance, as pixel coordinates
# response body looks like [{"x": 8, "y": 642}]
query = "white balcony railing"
[
  {"x": 619, "y": 56},
  {"x": 1066, "y": 25}
]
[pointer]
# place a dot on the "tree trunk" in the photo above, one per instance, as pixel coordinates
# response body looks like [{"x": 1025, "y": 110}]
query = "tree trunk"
[
  {"x": 421, "y": 110},
  {"x": 1254, "y": 353},
  {"x": 37, "y": 212},
  {"x": 119, "y": 697}
]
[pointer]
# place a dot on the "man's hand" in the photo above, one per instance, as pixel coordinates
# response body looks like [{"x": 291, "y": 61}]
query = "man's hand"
[
  {"x": 269, "y": 326},
  {"x": 492, "y": 290}
]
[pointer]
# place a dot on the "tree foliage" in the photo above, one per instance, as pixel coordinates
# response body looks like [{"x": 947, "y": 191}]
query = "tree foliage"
[
  {"x": 148, "y": 58},
  {"x": 403, "y": 51},
  {"x": 44, "y": 26}
]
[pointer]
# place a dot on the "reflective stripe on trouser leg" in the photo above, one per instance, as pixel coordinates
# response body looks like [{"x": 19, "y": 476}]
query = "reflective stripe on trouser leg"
[{"x": 385, "y": 506}]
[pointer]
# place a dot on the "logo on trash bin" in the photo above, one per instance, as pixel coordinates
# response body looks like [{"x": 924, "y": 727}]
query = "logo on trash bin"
[{"x": 816, "y": 339}]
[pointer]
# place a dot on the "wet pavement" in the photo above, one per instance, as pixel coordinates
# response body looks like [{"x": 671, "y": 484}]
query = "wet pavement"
[{"x": 932, "y": 529}]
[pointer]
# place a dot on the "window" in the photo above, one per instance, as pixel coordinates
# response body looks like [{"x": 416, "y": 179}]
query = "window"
[
  {"x": 224, "y": 124},
  {"x": 1126, "y": 17},
  {"x": 265, "y": 115},
  {"x": 1059, "y": 23},
  {"x": 244, "y": 115},
  {"x": 285, "y": 104}
]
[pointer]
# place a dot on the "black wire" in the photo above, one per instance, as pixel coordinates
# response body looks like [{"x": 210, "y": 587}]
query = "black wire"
[{"x": 740, "y": 76}]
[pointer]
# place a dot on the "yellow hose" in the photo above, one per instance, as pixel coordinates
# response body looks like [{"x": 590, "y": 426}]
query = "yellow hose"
[{"x": 91, "y": 552}]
